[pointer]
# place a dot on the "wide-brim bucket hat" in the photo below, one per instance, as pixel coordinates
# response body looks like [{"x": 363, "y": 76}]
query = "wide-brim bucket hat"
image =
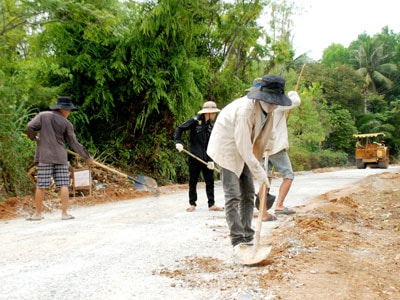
[
  {"x": 63, "y": 103},
  {"x": 271, "y": 90},
  {"x": 209, "y": 107}
]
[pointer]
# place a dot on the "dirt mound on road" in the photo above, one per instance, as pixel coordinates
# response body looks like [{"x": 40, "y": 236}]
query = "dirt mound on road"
[{"x": 344, "y": 245}]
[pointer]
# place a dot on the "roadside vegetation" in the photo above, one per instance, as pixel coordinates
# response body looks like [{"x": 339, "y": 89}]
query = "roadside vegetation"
[{"x": 138, "y": 69}]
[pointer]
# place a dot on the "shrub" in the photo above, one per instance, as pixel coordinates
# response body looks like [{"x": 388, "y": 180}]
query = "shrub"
[
  {"x": 304, "y": 160},
  {"x": 16, "y": 151}
]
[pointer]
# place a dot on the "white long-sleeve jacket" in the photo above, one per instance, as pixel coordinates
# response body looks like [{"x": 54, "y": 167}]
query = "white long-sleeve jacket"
[
  {"x": 280, "y": 139},
  {"x": 239, "y": 136}
]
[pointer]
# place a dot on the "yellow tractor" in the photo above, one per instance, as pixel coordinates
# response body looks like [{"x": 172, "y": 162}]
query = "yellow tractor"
[{"x": 371, "y": 151}]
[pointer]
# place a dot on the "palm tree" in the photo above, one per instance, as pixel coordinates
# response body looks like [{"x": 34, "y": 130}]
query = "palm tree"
[{"x": 372, "y": 62}]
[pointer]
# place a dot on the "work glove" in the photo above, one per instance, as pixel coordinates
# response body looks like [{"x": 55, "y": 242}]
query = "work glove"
[
  {"x": 179, "y": 147},
  {"x": 293, "y": 94},
  {"x": 210, "y": 165}
]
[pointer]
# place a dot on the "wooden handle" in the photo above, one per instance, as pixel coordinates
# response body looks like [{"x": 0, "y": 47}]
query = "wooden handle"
[
  {"x": 296, "y": 88},
  {"x": 101, "y": 165},
  {"x": 110, "y": 169},
  {"x": 298, "y": 79},
  {"x": 263, "y": 200},
  {"x": 198, "y": 158}
]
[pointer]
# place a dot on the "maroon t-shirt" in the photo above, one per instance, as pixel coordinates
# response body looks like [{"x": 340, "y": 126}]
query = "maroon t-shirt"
[{"x": 54, "y": 131}]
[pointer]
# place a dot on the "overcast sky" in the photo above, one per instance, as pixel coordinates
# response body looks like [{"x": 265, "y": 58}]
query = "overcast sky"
[{"x": 340, "y": 21}]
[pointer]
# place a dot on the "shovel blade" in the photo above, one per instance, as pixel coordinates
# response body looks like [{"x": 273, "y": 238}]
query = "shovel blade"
[
  {"x": 149, "y": 182},
  {"x": 139, "y": 186},
  {"x": 142, "y": 182},
  {"x": 251, "y": 255}
]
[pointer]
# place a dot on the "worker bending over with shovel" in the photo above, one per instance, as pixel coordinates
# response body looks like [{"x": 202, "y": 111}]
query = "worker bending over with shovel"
[
  {"x": 51, "y": 155},
  {"x": 200, "y": 128},
  {"x": 237, "y": 143}
]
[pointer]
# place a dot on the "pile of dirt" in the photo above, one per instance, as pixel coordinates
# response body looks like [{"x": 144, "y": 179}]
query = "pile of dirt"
[{"x": 344, "y": 245}]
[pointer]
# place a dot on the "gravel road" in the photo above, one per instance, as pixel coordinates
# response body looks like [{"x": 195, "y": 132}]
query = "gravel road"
[{"x": 116, "y": 250}]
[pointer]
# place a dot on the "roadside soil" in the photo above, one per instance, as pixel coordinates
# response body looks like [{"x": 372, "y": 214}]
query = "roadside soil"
[
  {"x": 106, "y": 188},
  {"x": 344, "y": 244}
]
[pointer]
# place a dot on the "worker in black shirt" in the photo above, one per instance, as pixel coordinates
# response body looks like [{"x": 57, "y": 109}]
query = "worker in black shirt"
[{"x": 200, "y": 128}]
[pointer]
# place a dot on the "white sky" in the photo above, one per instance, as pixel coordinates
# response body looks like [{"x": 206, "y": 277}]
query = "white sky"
[{"x": 325, "y": 22}]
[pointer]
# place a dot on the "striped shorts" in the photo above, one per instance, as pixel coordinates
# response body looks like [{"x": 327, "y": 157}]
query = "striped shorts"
[{"x": 60, "y": 174}]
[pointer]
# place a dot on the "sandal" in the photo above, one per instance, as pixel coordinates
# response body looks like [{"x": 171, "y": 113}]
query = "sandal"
[
  {"x": 270, "y": 218},
  {"x": 34, "y": 219},
  {"x": 285, "y": 211}
]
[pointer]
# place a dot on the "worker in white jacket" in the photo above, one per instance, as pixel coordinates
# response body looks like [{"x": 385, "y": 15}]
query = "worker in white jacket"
[
  {"x": 237, "y": 143},
  {"x": 278, "y": 158}
]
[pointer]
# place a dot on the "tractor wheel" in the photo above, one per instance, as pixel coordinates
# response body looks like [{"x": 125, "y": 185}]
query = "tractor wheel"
[
  {"x": 384, "y": 164},
  {"x": 360, "y": 164}
]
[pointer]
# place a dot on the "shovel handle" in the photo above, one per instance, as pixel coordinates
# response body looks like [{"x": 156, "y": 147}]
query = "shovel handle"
[
  {"x": 296, "y": 88},
  {"x": 110, "y": 169},
  {"x": 263, "y": 200},
  {"x": 105, "y": 167},
  {"x": 263, "y": 194},
  {"x": 299, "y": 78},
  {"x": 198, "y": 158},
  {"x": 101, "y": 165}
]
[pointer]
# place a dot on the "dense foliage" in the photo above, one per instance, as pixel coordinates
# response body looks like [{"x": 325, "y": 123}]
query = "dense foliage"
[{"x": 138, "y": 69}]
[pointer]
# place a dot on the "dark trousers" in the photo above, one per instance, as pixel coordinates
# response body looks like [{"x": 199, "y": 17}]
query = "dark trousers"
[
  {"x": 239, "y": 204},
  {"x": 195, "y": 167}
]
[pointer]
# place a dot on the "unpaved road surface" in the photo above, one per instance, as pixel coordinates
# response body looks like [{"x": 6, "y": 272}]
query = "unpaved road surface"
[{"x": 151, "y": 248}]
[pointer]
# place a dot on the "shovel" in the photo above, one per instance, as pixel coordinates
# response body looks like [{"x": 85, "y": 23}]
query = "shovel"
[
  {"x": 198, "y": 158},
  {"x": 141, "y": 182},
  {"x": 251, "y": 255}
]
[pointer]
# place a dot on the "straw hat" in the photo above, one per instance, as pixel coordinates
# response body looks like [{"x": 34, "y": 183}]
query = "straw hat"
[{"x": 209, "y": 107}]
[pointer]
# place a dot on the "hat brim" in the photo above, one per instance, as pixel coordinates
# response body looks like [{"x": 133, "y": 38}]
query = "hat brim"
[
  {"x": 208, "y": 111},
  {"x": 273, "y": 98},
  {"x": 57, "y": 107}
]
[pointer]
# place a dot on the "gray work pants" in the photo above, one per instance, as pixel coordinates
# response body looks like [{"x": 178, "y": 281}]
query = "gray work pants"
[{"x": 239, "y": 204}]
